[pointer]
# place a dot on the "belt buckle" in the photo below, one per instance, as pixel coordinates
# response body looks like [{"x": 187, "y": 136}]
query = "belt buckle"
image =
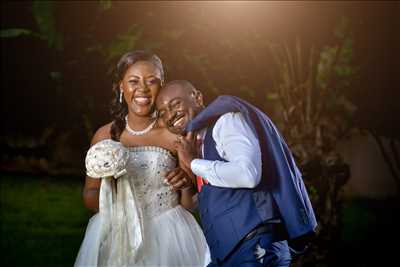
[{"x": 251, "y": 234}]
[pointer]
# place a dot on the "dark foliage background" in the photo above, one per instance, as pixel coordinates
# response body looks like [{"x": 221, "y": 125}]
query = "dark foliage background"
[{"x": 292, "y": 59}]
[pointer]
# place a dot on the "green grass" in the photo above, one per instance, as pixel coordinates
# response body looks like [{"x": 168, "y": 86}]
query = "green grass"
[{"x": 42, "y": 221}]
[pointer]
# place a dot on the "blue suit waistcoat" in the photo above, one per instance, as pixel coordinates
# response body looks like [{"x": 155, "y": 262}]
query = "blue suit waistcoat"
[{"x": 228, "y": 214}]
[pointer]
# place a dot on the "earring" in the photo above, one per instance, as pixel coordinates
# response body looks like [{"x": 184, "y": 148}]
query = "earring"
[
  {"x": 120, "y": 96},
  {"x": 154, "y": 115}
]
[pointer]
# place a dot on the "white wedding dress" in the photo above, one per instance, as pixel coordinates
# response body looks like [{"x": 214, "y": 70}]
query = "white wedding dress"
[{"x": 140, "y": 221}]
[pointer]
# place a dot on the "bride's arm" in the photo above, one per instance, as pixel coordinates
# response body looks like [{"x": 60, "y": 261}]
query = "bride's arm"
[
  {"x": 182, "y": 183},
  {"x": 91, "y": 193},
  {"x": 178, "y": 178},
  {"x": 187, "y": 200},
  {"x": 91, "y": 189}
]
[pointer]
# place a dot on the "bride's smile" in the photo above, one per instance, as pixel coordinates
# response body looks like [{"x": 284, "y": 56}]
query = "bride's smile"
[{"x": 140, "y": 86}]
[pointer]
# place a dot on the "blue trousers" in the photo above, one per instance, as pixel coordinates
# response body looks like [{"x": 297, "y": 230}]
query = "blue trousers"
[{"x": 259, "y": 251}]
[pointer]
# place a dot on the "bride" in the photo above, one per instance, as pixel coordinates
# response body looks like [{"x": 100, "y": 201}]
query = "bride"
[{"x": 141, "y": 220}]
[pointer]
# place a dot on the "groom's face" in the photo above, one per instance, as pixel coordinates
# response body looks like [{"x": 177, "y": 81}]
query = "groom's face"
[{"x": 176, "y": 107}]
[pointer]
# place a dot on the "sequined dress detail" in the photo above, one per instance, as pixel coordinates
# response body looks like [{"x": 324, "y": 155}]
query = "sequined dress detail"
[{"x": 140, "y": 221}]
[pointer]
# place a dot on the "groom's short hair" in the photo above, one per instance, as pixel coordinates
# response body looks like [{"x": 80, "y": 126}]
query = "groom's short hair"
[{"x": 183, "y": 84}]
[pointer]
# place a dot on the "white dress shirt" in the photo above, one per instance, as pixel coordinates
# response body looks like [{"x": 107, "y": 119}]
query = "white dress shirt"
[{"x": 236, "y": 143}]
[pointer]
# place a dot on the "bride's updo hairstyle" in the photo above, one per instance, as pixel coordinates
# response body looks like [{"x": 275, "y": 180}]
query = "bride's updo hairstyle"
[{"x": 120, "y": 110}]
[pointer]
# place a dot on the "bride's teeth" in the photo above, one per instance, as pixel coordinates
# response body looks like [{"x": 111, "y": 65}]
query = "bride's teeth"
[{"x": 142, "y": 100}]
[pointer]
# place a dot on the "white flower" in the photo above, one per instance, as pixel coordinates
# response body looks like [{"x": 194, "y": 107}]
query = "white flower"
[{"x": 106, "y": 158}]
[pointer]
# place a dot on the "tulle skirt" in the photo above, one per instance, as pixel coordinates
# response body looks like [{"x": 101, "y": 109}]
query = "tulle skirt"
[{"x": 172, "y": 238}]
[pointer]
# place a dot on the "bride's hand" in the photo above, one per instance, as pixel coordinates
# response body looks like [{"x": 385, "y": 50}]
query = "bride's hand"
[{"x": 178, "y": 179}]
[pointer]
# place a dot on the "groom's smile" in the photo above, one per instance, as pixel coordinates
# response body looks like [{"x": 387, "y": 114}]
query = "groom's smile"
[
  {"x": 177, "y": 105},
  {"x": 174, "y": 116},
  {"x": 178, "y": 120}
]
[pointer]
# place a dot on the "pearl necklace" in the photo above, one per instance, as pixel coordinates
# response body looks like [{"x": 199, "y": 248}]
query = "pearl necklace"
[{"x": 142, "y": 132}]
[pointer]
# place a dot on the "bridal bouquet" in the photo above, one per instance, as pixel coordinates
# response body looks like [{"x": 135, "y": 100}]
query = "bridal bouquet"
[{"x": 106, "y": 158}]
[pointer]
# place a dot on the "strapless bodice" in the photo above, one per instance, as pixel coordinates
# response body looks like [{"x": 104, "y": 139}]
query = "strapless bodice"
[{"x": 146, "y": 168}]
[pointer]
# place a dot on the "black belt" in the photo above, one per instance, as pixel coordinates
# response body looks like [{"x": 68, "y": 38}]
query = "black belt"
[{"x": 263, "y": 228}]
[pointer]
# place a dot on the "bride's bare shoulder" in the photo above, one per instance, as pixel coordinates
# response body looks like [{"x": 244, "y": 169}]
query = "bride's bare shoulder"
[{"x": 104, "y": 132}]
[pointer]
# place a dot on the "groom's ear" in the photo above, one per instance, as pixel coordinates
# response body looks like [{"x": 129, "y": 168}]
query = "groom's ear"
[{"x": 198, "y": 98}]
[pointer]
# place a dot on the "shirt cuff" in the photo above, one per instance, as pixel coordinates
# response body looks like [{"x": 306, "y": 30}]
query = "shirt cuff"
[{"x": 202, "y": 167}]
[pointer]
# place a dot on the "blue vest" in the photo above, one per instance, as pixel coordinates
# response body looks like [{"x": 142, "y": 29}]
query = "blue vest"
[{"x": 228, "y": 214}]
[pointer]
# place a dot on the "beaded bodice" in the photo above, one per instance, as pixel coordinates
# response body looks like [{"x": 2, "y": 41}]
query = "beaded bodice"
[{"x": 146, "y": 168}]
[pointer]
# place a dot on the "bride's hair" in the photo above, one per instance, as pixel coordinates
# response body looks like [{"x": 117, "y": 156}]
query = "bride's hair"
[{"x": 120, "y": 110}]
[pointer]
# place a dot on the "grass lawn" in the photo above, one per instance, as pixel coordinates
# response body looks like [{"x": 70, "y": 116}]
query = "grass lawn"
[{"x": 42, "y": 220}]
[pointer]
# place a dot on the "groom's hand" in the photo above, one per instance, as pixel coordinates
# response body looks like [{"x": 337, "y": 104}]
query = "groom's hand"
[{"x": 187, "y": 150}]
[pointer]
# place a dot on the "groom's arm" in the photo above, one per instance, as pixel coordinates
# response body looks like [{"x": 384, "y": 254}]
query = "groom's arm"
[{"x": 236, "y": 143}]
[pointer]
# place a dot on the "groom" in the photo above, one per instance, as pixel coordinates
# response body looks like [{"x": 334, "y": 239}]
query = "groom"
[{"x": 251, "y": 194}]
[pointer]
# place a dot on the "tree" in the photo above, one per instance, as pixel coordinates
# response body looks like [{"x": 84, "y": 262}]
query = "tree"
[
  {"x": 61, "y": 73},
  {"x": 316, "y": 115}
]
